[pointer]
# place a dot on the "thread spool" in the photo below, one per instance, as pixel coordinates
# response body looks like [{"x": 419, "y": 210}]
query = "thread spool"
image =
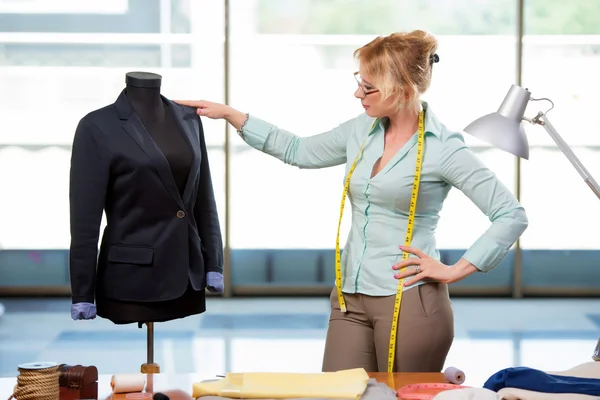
[
  {"x": 37, "y": 381},
  {"x": 454, "y": 375},
  {"x": 128, "y": 383}
]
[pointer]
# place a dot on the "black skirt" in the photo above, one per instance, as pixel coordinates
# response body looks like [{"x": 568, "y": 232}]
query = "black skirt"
[{"x": 127, "y": 312}]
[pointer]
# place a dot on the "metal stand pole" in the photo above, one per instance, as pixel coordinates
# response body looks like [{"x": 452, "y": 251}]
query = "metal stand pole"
[
  {"x": 542, "y": 119},
  {"x": 150, "y": 367}
]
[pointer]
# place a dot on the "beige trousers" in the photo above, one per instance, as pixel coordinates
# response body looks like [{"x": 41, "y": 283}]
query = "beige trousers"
[{"x": 360, "y": 337}]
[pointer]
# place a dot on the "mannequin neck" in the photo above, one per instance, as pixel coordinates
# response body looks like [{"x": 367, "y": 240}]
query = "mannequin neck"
[{"x": 146, "y": 102}]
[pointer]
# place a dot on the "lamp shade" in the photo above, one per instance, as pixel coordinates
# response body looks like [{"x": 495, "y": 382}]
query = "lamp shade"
[{"x": 503, "y": 129}]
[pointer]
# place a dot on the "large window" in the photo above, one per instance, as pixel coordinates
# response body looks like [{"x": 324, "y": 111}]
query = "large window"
[
  {"x": 58, "y": 63},
  {"x": 560, "y": 62},
  {"x": 290, "y": 63}
]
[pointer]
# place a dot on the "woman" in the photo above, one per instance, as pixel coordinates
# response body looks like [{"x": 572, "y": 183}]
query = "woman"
[{"x": 381, "y": 148}]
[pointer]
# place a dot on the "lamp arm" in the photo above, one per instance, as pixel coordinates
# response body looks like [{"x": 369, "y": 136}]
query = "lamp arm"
[{"x": 542, "y": 119}]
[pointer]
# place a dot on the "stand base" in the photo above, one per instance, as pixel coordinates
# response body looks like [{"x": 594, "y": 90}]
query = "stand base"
[{"x": 150, "y": 368}]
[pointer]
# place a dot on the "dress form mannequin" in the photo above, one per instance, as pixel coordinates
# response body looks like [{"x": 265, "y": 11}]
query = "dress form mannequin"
[
  {"x": 143, "y": 160},
  {"x": 143, "y": 92}
]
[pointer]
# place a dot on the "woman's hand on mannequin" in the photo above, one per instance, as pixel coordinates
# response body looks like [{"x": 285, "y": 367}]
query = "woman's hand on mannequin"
[
  {"x": 216, "y": 111},
  {"x": 430, "y": 268},
  {"x": 206, "y": 108}
]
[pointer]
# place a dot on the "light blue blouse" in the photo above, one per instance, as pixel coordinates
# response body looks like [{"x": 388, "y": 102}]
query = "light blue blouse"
[{"x": 380, "y": 205}]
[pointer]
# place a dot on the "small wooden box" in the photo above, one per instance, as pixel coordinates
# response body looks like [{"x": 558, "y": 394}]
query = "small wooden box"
[{"x": 78, "y": 382}]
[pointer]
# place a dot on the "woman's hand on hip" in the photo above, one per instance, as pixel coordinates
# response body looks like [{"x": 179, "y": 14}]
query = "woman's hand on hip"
[
  {"x": 423, "y": 267},
  {"x": 207, "y": 108}
]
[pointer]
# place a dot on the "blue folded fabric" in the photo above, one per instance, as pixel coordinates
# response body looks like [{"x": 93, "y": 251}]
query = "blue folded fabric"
[{"x": 540, "y": 381}]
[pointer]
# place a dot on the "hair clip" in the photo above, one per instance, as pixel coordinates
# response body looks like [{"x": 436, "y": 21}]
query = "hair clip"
[{"x": 434, "y": 58}]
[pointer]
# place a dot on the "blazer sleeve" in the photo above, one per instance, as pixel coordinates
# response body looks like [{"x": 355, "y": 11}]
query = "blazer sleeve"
[
  {"x": 205, "y": 212},
  {"x": 461, "y": 168},
  {"x": 323, "y": 150},
  {"x": 88, "y": 182}
]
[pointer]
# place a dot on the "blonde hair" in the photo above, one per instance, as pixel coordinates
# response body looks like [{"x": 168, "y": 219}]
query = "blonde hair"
[{"x": 400, "y": 65}]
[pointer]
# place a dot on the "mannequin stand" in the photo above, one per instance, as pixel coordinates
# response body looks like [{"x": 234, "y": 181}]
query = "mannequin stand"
[{"x": 150, "y": 367}]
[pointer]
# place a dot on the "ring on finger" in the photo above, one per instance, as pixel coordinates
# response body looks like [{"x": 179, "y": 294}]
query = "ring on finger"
[{"x": 417, "y": 269}]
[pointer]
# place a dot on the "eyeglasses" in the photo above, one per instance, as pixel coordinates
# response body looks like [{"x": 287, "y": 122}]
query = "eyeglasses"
[{"x": 366, "y": 89}]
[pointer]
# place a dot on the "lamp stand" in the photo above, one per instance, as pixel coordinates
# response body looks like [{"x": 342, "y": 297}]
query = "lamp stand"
[
  {"x": 504, "y": 130},
  {"x": 542, "y": 119}
]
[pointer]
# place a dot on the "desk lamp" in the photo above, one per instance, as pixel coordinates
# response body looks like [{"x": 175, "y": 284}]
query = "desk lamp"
[{"x": 504, "y": 130}]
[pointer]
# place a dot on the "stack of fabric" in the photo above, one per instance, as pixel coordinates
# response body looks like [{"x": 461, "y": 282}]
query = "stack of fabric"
[
  {"x": 348, "y": 385},
  {"x": 522, "y": 383}
]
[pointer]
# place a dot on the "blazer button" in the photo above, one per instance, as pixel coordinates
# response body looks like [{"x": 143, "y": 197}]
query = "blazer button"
[{"x": 180, "y": 214}]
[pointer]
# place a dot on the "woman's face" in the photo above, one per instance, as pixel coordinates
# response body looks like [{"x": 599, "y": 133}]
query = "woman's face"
[{"x": 370, "y": 97}]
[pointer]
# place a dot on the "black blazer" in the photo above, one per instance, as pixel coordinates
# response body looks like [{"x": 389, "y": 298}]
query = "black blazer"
[{"x": 154, "y": 240}]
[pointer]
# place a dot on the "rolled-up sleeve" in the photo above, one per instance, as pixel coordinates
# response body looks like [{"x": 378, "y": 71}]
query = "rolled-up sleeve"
[
  {"x": 318, "y": 151},
  {"x": 461, "y": 168}
]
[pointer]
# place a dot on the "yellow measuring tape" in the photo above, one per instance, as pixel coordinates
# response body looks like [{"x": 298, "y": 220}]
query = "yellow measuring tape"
[{"x": 407, "y": 240}]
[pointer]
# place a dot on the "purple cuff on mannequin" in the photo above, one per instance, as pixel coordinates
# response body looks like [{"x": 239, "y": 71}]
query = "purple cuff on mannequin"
[
  {"x": 214, "y": 282},
  {"x": 83, "y": 311}
]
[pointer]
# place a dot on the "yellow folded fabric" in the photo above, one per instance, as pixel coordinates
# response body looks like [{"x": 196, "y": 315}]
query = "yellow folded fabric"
[{"x": 347, "y": 384}]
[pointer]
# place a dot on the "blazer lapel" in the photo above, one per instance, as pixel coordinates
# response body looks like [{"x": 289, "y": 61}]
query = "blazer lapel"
[
  {"x": 136, "y": 130},
  {"x": 134, "y": 127},
  {"x": 188, "y": 123}
]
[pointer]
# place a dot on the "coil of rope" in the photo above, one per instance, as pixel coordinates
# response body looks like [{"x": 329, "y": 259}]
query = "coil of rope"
[{"x": 37, "y": 381}]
